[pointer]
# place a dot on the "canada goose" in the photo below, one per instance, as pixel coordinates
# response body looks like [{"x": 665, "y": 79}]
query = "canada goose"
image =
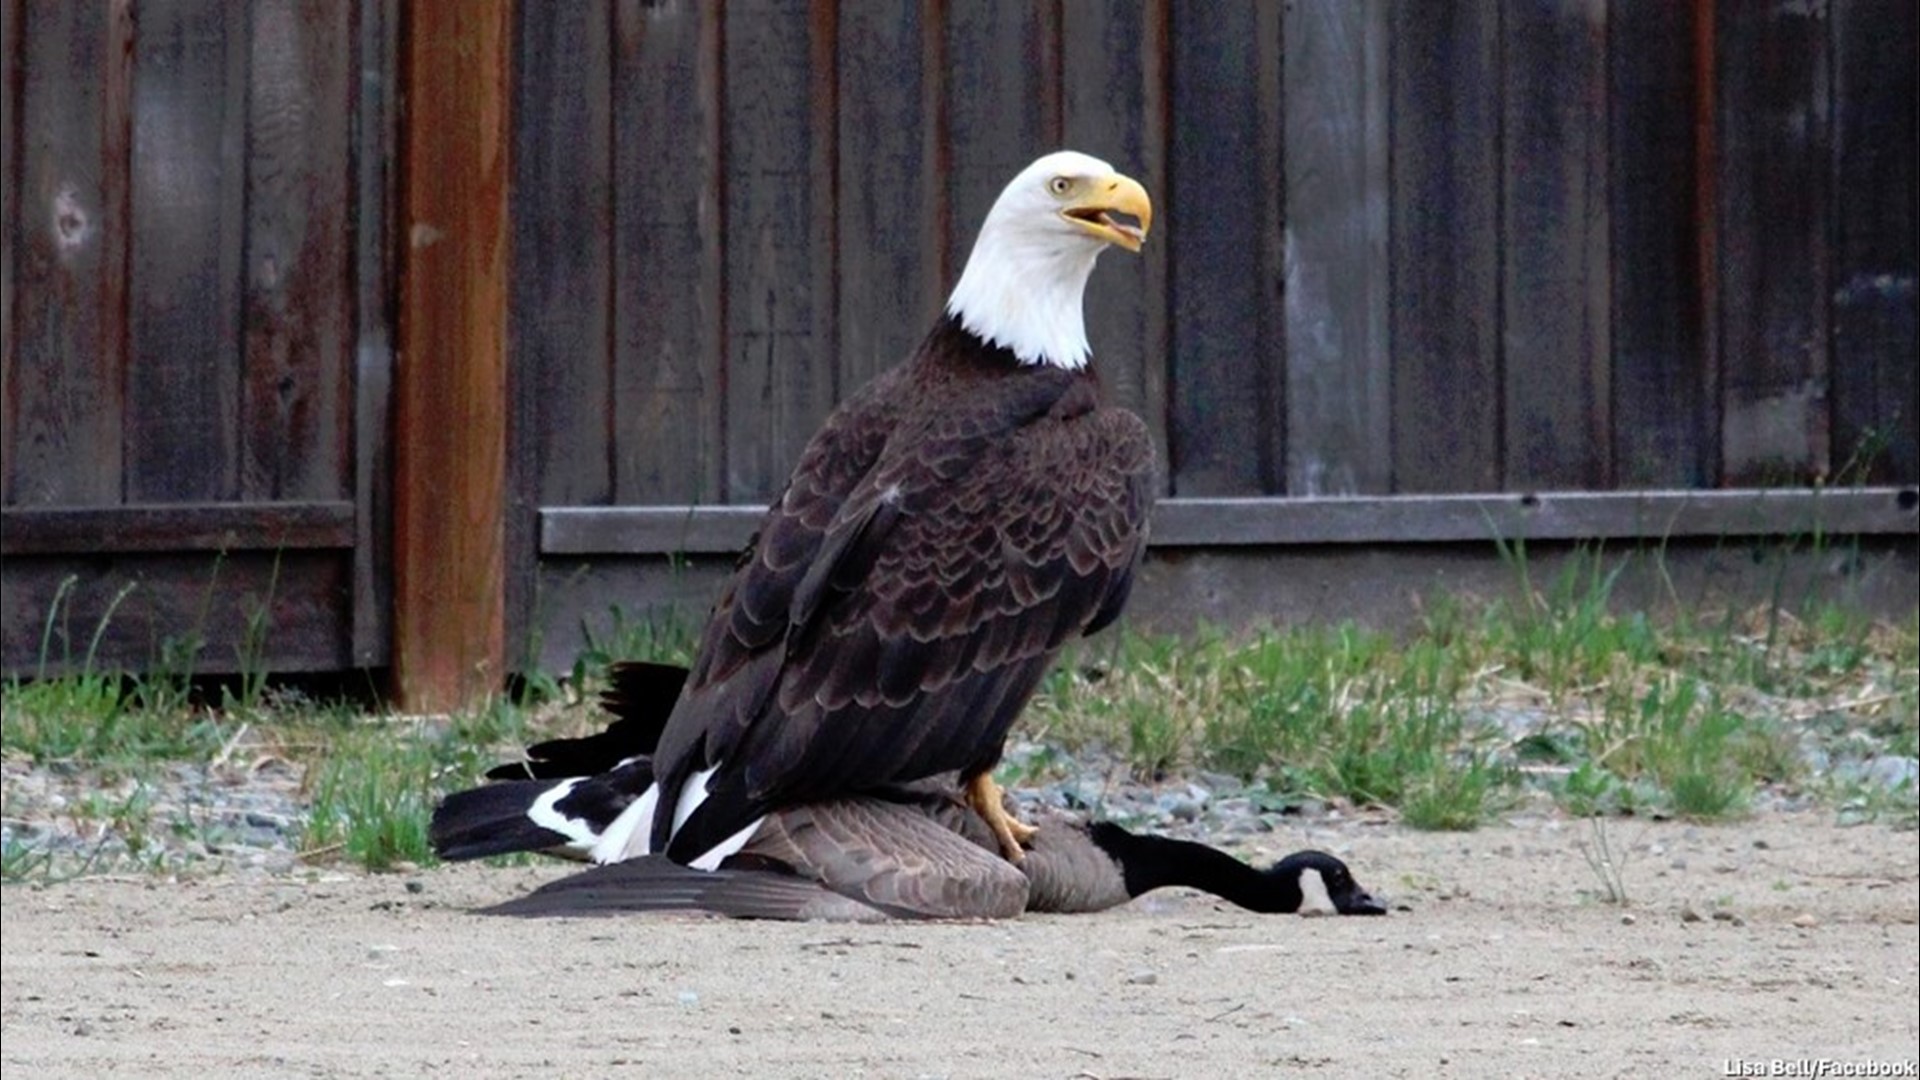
[{"x": 915, "y": 851}]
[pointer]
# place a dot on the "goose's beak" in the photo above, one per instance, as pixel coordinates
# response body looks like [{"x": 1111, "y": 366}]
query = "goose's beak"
[{"x": 1358, "y": 902}]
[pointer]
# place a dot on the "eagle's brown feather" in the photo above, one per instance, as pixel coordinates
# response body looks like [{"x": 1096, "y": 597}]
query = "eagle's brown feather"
[{"x": 945, "y": 533}]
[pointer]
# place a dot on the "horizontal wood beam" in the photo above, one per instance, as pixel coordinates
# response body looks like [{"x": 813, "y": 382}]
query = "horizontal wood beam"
[
  {"x": 1649, "y": 515},
  {"x": 176, "y": 527}
]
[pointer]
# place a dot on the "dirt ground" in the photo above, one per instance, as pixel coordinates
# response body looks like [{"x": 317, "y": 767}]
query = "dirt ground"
[{"x": 1781, "y": 938}]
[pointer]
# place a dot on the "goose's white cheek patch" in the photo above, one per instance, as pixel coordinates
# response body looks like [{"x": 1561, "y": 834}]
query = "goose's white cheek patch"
[{"x": 1314, "y": 898}]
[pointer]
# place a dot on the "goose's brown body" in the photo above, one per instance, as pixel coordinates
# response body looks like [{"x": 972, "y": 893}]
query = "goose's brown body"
[{"x": 917, "y": 851}]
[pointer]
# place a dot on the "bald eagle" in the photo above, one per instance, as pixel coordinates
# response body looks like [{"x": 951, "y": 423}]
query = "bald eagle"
[{"x": 949, "y": 528}]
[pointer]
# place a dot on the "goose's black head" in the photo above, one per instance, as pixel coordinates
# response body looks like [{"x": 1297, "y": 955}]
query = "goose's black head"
[{"x": 1347, "y": 895}]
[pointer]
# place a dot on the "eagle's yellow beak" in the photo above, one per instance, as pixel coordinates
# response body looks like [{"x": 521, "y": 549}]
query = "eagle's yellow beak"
[{"x": 1105, "y": 197}]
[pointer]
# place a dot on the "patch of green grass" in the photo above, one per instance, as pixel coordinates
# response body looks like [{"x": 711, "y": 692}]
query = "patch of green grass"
[
  {"x": 92, "y": 719},
  {"x": 374, "y": 787},
  {"x": 1604, "y": 711}
]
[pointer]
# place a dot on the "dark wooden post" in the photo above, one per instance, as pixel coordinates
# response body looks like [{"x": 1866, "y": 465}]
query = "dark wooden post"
[{"x": 450, "y": 378}]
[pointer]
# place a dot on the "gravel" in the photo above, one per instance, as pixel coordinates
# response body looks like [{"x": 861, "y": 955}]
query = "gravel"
[{"x": 250, "y": 816}]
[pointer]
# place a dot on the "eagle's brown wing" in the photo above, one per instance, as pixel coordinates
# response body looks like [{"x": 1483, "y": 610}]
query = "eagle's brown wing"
[{"x": 900, "y": 636}]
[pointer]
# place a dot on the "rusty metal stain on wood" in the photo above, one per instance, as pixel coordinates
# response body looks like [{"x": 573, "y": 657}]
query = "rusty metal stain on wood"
[{"x": 449, "y": 394}]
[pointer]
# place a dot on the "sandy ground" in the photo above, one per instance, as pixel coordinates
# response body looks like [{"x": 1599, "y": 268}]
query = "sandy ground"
[{"x": 1501, "y": 964}]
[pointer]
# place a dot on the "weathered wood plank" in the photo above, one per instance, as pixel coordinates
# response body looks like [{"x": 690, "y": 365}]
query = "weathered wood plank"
[
  {"x": 1227, "y": 368},
  {"x": 69, "y": 326},
  {"x": 1876, "y": 395},
  {"x": 171, "y": 601},
  {"x": 188, "y": 205},
  {"x": 296, "y": 400},
  {"x": 1002, "y": 107},
  {"x": 1774, "y": 163},
  {"x": 889, "y": 198},
  {"x": 1112, "y": 94},
  {"x": 176, "y": 527},
  {"x": 1339, "y": 439},
  {"x": 563, "y": 227},
  {"x": 376, "y": 195},
  {"x": 13, "y": 18},
  {"x": 670, "y": 233},
  {"x": 1445, "y": 310},
  {"x": 1207, "y": 522},
  {"x": 1660, "y": 376},
  {"x": 449, "y": 395},
  {"x": 779, "y": 257},
  {"x": 1555, "y": 354},
  {"x": 561, "y": 308}
]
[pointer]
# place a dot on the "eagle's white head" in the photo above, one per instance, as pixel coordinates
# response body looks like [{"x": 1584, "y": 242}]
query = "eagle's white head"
[{"x": 1022, "y": 286}]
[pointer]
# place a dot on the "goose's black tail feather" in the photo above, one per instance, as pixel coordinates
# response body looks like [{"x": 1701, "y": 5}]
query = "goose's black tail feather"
[
  {"x": 564, "y": 817},
  {"x": 640, "y": 695}
]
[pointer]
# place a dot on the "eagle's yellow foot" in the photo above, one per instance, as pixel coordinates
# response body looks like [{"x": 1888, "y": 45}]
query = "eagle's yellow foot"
[{"x": 986, "y": 799}]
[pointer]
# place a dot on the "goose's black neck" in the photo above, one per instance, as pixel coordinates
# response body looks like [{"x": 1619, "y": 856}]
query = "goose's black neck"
[{"x": 1152, "y": 862}]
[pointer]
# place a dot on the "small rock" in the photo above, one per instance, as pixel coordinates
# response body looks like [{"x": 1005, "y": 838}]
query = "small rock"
[
  {"x": 1143, "y": 977},
  {"x": 1628, "y": 919},
  {"x": 689, "y": 998},
  {"x": 1892, "y": 772},
  {"x": 416, "y": 886},
  {"x": 1726, "y": 916},
  {"x": 1805, "y": 920},
  {"x": 1687, "y": 914},
  {"x": 1761, "y": 845}
]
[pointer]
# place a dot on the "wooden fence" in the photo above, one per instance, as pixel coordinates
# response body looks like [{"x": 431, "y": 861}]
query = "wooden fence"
[{"x": 1403, "y": 250}]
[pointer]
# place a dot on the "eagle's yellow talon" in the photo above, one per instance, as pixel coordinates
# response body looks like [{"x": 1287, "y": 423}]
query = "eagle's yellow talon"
[{"x": 987, "y": 800}]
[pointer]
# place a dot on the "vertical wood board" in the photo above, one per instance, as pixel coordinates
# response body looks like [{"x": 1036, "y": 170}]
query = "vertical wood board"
[
  {"x": 1445, "y": 251},
  {"x": 668, "y": 381},
  {"x": 1112, "y": 94},
  {"x": 1554, "y": 262},
  {"x": 1225, "y": 199},
  {"x": 1338, "y": 375},
  {"x": 779, "y": 253},
  {"x": 889, "y": 288},
  {"x": 1773, "y": 163},
  {"x": 69, "y": 321},
  {"x": 1876, "y": 394},
  {"x": 298, "y": 305},
  {"x": 1660, "y": 379},
  {"x": 450, "y": 475},
  {"x": 188, "y": 203}
]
